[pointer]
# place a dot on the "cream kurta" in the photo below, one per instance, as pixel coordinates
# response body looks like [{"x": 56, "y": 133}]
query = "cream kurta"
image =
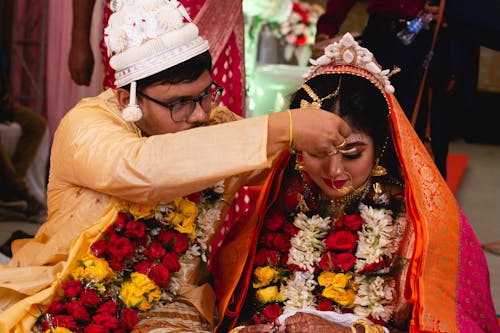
[{"x": 98, "y": 160}]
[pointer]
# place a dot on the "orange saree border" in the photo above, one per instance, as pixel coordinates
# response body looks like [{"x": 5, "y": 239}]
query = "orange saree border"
[{"x": 433, "y": 210}]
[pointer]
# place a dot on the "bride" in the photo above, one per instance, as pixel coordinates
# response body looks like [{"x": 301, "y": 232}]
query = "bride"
[{"x": 366, "y": 238}]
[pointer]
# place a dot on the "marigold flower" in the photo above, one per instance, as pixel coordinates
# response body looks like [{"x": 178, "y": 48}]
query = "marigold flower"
[
  {"x": 58, "y": 330},
  {"x": 264, "y": 275},
  {"x": 139, "y": 292},
  {"x": 184, "y": 217},
  {"x": 92, "y": 269},
  {"x": 139, "y": 211},
  {"x": 268, "y": 294}
]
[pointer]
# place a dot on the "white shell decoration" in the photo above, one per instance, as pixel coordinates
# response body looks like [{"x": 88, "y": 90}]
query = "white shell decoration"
[
  {"x": 347, "y": 51},
  {"x": 373, "y": 68},
  {"x": 348, "y": 56}
]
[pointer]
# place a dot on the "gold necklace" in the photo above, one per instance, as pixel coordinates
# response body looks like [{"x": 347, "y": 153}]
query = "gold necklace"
[{"x": 336, "y": 206}]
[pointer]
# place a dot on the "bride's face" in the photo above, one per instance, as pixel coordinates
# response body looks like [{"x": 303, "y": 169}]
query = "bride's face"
[{"x": 342, "y": 173}]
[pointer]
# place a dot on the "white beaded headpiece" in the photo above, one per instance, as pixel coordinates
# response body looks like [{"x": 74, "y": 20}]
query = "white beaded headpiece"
[
  {"x": 349, "y": 54},
  {"x": 145, "y": 37}
]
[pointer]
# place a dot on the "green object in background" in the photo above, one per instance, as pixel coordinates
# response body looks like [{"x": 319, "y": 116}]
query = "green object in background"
[{"x": 271, "y": 87}]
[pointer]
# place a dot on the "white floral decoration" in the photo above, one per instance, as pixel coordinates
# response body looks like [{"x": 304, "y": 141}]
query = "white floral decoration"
[
  {"x": 133, "y": 24},
  {"x": 347, "y": 51}
]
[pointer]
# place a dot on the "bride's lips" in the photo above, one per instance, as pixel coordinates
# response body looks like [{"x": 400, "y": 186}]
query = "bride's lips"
[{"x": 335, "y": 183}]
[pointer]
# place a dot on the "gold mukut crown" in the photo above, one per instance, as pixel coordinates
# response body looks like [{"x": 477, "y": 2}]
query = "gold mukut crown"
[{"x": 348, "y": 52}]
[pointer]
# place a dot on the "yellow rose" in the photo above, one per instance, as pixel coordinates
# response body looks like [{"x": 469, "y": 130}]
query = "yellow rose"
[
  {"x": 184, "y": 217},
  {"x": 140, "y": 211},
  {"x": 264, "y": 275},
  {"x": 342, "y": 297},
  {"x": 139, "y": 292},
  {"x": 92, "y": 269},
  {"x": 268, "y": 294},
  {"x": 58, "y": 330},
  {"x": 326, "y": 278},
  {"x": 341, "y": 280},
  {"x": 335, "y": 280}
]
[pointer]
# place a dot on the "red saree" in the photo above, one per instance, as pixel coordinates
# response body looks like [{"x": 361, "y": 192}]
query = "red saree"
[{"x": 448, "y": 280}]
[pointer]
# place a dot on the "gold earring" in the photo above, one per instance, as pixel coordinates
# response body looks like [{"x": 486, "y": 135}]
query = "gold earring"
[
  {"x": 378, "y": 170},
  {"x": 299, "y": 166}
]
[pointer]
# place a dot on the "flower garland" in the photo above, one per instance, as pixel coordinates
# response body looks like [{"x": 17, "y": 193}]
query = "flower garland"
[
  {"x": 140, "y": 261},
  {"x": 344, "y": 268}
]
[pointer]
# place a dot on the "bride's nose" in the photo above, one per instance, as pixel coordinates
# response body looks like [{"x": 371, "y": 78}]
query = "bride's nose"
[{"x": 335, "y": 166}]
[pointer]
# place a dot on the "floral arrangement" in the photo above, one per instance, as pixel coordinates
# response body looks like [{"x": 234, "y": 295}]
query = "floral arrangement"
[
  {"x": 300, "y": 27},
  {"x": 312, "y": 263},
  {"x": 138, "y": 263}
]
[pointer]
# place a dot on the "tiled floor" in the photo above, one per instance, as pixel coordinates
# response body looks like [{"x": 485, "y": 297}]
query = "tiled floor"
[{"x": 478, "y": 194}]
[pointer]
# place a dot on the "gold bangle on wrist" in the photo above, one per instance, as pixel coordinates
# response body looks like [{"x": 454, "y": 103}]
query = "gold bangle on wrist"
[
  {"x": 236, "y": 329},
  {"x": 369, "y": 328},
  {"x": 290, "y": 133}
]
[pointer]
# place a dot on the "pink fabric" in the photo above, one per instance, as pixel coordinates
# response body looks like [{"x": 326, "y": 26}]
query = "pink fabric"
[
  {"x": 62, "y": 93},
  {"x": 475, "y": 310}
]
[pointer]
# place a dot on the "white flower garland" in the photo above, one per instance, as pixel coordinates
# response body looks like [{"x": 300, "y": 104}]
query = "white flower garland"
[
  {"x": 376, "y": 240},
  {"x": 208, "y": 214}
]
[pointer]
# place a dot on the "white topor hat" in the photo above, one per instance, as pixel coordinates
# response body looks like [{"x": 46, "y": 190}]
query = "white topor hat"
[{"x": 145, "y": 37}]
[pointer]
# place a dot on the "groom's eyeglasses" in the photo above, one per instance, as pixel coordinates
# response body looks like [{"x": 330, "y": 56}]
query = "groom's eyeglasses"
[{"x": 180, "y": 111}]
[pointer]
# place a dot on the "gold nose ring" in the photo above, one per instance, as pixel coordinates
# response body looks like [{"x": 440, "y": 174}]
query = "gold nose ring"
[
  {"x": 335, "y": 151},
  {"x": 340, "y": 146}
]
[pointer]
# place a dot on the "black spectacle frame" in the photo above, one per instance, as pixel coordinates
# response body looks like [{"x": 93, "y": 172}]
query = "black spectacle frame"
[{"x": 215, "y": 95}]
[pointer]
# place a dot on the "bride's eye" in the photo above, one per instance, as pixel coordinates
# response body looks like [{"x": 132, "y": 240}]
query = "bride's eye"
[{"x": 353, "y": 156}]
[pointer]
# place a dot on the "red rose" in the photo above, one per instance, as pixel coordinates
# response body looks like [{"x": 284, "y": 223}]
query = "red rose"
[
  {"x": 56, "y": 307},
  {"x": 121, "y": 221},
  {"x": 106, "y": 320},
  {"x": 290, "y": 229},
  {"x": 109, "y": 307},
  {"x": 271, "y": 312},
  {"x": 95, "y": 328},
  {"x": 99, "y": 248},
  {"x": 78, "y": 311},
  {"x": 155, "y": 251},
  {"x": 277, "y": 241},
  {"x": 120, "y": 248},
  {"x": 374, "y": 267},
  {"x": 72, "y": 288},
  {"x": 284, "y": 259},
  {"x": 166, "y": 237},
  {"x": 64, "y": 321},
  {"x": 328, "y": 261},
  {"x": 135, "y": 229},
  {"x": 194, "y": 197},
  {"x": 181, "y": 243},
  {"x": 352, "y": 222},
  {"x": 143, "y": 267},
  {"x": 129, "y": 319},
  {"x": 171, "y": 261},
  {"x": 325, "y": 305},
  {"x": 258, "y": 318},
  {"x": 274, "y": 222},
  {"x": 267, "y": 257},
  {"x": 160, "y": 275},
  {"x": 90, "y": 297},
  {"x": 340, "y": 240},
  {"x": 117, "y": 264},
  {"x": 345, "y": 261}
]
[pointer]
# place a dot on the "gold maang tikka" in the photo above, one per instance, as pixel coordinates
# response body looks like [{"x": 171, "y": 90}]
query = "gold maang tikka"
[{"x": 316, "y": 101}]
